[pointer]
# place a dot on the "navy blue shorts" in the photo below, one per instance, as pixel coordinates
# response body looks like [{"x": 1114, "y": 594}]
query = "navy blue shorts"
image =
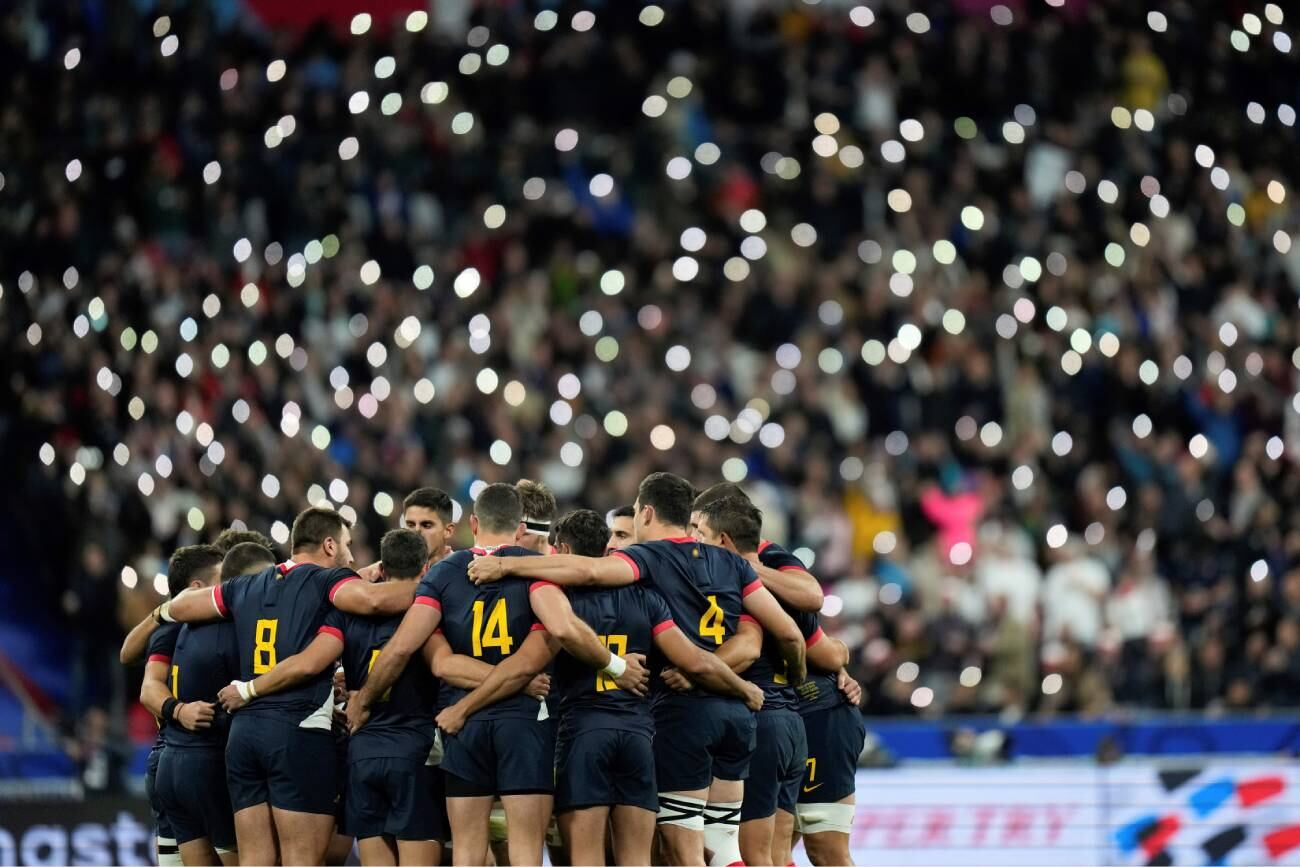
[
  {"x": 699, "y": 737},
  {"x": 394, "y": 798},
  {"x": 835, "y": 738},
  {"x": 500, "y": 757},
  {"x": 160, "y": 822},
  {"x": 192, "y": 790},
  {"x": 605, "y": 767},
  {"x": 273, "y": 762},
  {"x": 777, "y": 766}
]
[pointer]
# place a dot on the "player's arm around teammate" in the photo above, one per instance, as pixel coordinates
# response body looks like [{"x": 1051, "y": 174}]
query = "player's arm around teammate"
[
  {"x": 502, "y": 681},
  {"x": 738, "y": 653},
  {"x": 707, "y": 669},
  {"x": 323, "y": 652},
  {"x": 567, "y": 570},
  {"x": 467, "y": 672}
]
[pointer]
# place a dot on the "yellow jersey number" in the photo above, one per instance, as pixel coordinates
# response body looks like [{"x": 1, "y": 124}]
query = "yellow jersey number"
[
  {"x": 264, "y": 646},
  {"x": 494, "y": 633},
  {"x": 617, "y": 644},
  {"x": 374, "y": 654},
  {"x": 176, "y": 681},
  {"x": 711, "y": 622}
]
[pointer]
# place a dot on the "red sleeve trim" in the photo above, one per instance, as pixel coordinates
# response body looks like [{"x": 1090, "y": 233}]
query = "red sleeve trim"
[
  {"x": 331, "y": 630},
  {"x": 745, "y": 618},
  {"x": 636, "y": 570},
  {"x": 791, "y": 569},
  {"x": 538, "y": 585},
  {"x": 339, "y": 584},
  {"x": 763, "y": 545},
  {"x": 667, "y": 624},
  {"x": 160, "y": 657},
  {"x": 428, "y": 600},
  {"x": 538, "y": 627},
  {"x": 219, "y": 602},
  {"x": 815, "y": 637},
  {"x": 752, "y": 587}
]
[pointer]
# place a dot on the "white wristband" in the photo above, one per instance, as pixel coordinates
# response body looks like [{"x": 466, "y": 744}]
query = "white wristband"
[
  {"x": 165, "y": 611},
  {"x": 245, "y": 688},
  {"x": 615, "y": 667}
]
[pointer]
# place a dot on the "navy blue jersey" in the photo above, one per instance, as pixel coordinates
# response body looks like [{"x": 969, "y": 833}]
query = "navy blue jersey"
[
  {"x": 401, "y": 722},
  {"x": 161, "y": 647},
  {"x": 704, "y": 585},
  {"x": 627, "y": 619},
  {"x": 820, "y": 691},
  {"x": 768, "y": 672},
  {"x": 774, "y": 556},
  {"x": 277, "y": 613},
  {"x": 488, "y": 622},
  {"x": 206, "y": 659}
]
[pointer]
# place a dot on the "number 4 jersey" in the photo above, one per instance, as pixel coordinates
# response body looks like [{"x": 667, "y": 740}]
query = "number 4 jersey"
[
  {"x": 277, "y": 613},
  {"x": 488, "y": 622}
]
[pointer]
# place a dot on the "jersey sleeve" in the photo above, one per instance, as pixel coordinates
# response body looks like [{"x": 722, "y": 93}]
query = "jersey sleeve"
[
  {"x": 429, "y": 591},
  {"x": 809, "y": 628},
  {"x": 162, "y": 643},
  {"x": 660, "y": 617},
  {"x": 228, "y": 594},
  {"x": 638, "y": 557},
  {"x": 332, "y": 580},
  {"x": 774, "y": 556},
  {"x": 334, "y": 624},
  {"x": 749, "y": 580}
]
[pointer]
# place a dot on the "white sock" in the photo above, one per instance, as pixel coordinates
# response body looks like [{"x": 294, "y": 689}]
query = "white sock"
[{"x": 722, "y": 833}]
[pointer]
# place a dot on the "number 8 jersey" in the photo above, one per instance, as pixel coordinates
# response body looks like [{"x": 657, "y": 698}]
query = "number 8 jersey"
[
  {"x": 277, "y": 613},
  {"x": 488, "y": 622}
]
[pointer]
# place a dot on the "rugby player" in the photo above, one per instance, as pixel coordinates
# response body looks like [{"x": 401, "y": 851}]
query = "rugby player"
[
  {"x": 508, "y": 749},
  {"x": 704, "y": 742},
  {"x": 540, "y": 510},
  {"x": 390, "y": 803},
  {"x": 428, "y": 511},
  {"x": 620, "y": 529},
  {"x": 191, "y": 783},
  {"x": 193, "y": 566},
  {"x": 280, "y": 756}
]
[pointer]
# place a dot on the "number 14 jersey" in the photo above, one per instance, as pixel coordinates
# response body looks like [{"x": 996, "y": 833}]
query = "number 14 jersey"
[{"x": 487, "y": 622}]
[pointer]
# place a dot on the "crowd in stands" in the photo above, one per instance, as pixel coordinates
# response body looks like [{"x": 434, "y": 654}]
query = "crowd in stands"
[{"x": 992, "y": 308}]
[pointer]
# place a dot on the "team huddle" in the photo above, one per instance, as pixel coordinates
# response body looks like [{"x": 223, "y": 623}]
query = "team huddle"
[{"x": 651, "y": 688}]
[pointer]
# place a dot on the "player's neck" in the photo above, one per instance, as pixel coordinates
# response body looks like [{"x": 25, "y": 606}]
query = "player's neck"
[
  {"x": 493, "y": 540},
  {"x": 656, "y": 532},
  {"x": 316, "y": 558}
]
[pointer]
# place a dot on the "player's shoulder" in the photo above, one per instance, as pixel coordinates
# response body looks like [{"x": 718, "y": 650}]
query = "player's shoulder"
[{"x": 776, "y": 556}]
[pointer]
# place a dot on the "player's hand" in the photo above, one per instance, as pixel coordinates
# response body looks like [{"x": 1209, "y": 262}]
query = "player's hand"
[
  {"x": 674, "y": 679},
  {"x": 372, "y": 573},
  {"x": 753, "y": 697},
  {"x": 851, "y": 688},
  {"x": 636, "y": 677},
  {"x": 195, "y": 715},
  {"x": 340, "y": 687},
  {"x": 796, "y": 676},
  {"x": 485, "y": 570},
  {"x": 451, "y": 720},
  {"x": 230, "y": 698},
  {"x": 358, "y": 714},
  {"x": 539, "y": 686}
]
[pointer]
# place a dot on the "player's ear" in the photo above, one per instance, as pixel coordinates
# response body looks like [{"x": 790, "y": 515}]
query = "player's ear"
[
  {"x": 520, "y": 532},
  {"x": 473, "y": 524},
  {"x": 449, "y": 529}
]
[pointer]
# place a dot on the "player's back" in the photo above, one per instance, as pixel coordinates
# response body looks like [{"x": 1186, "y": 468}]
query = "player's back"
[
  {"x": 487, "y": 622},
  {"x": 401, "y": 723},
  {"x": 626, "y": 619},
  {"x": 277, "y": 613},
  {"x": 206, "y": 658},
  {"x": 703, "y": 585}
]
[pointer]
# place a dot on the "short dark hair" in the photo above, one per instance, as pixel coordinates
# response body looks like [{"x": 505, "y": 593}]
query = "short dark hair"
[
  {"x": 433, "y": 499},
  {"x": 584, "y": 531},
  {"x": 245, "y": 559},
  {"x": 738, "y": 518},
  {"x": 313, "y": 526},
  {"x": 188, "y": 562},
  {"x": 537, "y": 500},
  {"x": 498, "y": 508},
  {"x": 670, "y": 496},
  {"x": 403, "y": 553},
  {"x": 713, "y": 493},
  {"x": 230, "y": 537},
  {"x": 623, "y": 512}
]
